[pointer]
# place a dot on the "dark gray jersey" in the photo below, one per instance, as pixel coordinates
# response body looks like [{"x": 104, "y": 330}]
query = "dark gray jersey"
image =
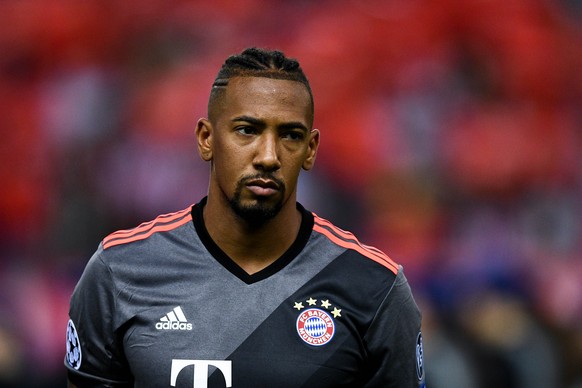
[{"x": 162, "y": 306}]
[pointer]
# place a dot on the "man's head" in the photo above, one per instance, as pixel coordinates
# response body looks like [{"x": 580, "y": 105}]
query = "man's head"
[
  {"x": 255, "y": 62},
  {"x": 258, "y": 135}
]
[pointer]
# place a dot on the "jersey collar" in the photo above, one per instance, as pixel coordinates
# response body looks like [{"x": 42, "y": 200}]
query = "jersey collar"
[{"x": 305, "y": 230}]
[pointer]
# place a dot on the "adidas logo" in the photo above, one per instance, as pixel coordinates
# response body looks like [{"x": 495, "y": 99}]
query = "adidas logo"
[{"x": 174, "y": 320}]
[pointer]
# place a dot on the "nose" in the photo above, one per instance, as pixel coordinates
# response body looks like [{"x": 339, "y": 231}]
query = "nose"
[{"x": 267, "y": 153}]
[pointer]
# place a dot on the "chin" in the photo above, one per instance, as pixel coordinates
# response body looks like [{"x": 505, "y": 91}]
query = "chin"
[{"x": 256, "y": 212}]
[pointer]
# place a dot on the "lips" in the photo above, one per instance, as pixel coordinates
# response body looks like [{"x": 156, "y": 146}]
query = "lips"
[{"x": 262, "y": 187}]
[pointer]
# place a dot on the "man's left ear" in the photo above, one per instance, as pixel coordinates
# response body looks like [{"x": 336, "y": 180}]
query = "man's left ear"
[{"x": 312, "y": 151}]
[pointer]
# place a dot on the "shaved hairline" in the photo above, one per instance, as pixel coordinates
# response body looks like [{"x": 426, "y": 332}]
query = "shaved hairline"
[{"x": 216, "y": 100}]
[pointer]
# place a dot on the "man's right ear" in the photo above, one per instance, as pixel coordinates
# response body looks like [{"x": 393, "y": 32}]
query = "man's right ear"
[{"x": 204, "y": 139}]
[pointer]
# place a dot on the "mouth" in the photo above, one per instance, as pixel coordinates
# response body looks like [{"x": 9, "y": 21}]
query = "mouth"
[{"x": 263, "y": 187}]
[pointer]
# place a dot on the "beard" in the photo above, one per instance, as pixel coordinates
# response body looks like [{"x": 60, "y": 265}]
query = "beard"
[{"x": 263, "y": 210}]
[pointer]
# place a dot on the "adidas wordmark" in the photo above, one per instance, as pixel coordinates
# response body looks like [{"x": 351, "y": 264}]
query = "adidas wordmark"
[{"x": 174, "y": 320}]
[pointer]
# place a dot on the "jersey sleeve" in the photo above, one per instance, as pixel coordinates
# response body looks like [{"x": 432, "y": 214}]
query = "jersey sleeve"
[
  {"x": 394, "y": 341},
  {"x": 94, "y": 355}
]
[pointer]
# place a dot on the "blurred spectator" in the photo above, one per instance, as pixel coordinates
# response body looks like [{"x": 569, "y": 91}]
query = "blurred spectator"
[
  {"x": 513, "y": 348},
  {"x": 449, "y": 363}
]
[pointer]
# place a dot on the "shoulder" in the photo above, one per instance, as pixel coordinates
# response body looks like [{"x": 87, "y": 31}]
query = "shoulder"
[
  {"x": 161, "y": 224},
  {"x": 349, "y": 241}
]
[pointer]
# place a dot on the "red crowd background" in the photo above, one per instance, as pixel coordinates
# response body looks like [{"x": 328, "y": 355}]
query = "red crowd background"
[{"x": 451, "y": 139}]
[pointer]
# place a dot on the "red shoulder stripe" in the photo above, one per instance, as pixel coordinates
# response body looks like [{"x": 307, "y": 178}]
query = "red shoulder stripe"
[
  {"x": 348, "y": 240},
  {"x": 348, "y": 236},
  {"x": 145, "y": 225},
  {"x": 357, "y": 247},
  {"x": 162, "y": 223}
]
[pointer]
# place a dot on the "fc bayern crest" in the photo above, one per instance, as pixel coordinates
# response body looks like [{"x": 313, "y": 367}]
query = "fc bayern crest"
[
  {"x": 316, "y": 327},
  {"x": 73, "y": 356}
]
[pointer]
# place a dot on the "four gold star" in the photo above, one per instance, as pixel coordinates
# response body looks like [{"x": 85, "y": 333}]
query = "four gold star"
[{"x": 324, "y": 303}]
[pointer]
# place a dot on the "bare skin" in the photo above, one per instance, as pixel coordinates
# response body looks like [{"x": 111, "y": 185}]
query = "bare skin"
[{"x": 262, "y": 127}]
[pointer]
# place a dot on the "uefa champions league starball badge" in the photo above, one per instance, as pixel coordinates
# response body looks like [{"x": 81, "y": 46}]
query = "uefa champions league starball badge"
[
  {"x": 419, "y": 357},
  {"x": 315, "y": 325},
  {"x": 73, "y": 355}
]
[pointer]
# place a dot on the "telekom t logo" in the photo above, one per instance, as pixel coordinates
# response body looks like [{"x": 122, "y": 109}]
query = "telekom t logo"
[{"x": 201, "y": 371}]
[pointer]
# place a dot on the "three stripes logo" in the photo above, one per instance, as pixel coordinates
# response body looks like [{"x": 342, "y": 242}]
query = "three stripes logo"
[{"x": 174, "y": 320}]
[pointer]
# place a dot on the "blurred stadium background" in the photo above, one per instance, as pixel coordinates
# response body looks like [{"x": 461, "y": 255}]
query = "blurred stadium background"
[{"x": 451, "y": 139}]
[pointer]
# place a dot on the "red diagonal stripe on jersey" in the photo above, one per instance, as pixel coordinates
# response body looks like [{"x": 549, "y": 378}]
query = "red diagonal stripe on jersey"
[
  {"x": 344, "y": 234},
  {"x": 145, "y": 225},
  {"x": 162, "y": 223},
  {"x": 357, "y": 247},
  {"x": 348, "y": 240}
]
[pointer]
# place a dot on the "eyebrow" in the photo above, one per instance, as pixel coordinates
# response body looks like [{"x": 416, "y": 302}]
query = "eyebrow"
[{"x": 261, "y": 123}]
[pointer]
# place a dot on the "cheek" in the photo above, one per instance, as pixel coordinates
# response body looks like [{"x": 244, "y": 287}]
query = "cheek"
[
  {"x": 225, "y": 156},
  {"x": 293, "y": 171},
  {"x": 223, "y": 165}
]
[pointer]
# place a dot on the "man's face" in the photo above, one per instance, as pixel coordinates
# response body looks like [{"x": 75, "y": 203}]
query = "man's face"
[{"x": 259, "y": 140}]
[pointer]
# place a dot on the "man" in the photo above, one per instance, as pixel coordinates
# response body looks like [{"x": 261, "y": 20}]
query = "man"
[{"x": 246, "y": 288}]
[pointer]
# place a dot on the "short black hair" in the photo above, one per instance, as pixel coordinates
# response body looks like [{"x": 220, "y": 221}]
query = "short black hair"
[{"x": 258, "y": 62}]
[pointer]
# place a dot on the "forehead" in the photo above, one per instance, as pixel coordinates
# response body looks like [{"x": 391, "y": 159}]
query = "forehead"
[{"x": 266, "y": 97}]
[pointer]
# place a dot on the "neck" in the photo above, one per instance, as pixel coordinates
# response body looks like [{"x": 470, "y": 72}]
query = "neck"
[{"x": 251, "y": 247}]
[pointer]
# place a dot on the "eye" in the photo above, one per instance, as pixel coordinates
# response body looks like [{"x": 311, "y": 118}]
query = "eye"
[
  {"x": 246, "y": 130},
  {"x": 293, "y": 135}
]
